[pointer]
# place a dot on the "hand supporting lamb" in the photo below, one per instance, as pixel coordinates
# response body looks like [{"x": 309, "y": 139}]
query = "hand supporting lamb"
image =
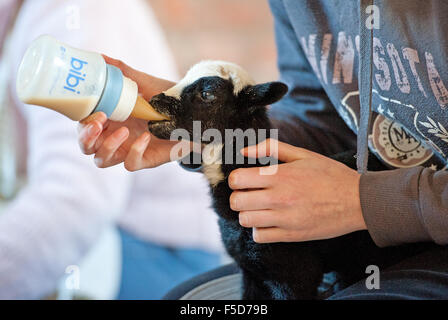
[{"x": 311, "y": 197}]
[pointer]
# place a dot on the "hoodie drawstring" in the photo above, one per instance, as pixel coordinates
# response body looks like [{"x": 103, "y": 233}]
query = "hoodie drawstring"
[{"x": 365, "y": 85}]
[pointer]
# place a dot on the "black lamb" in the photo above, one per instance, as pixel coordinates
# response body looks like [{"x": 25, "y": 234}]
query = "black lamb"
[{"x": 222, "y": 96}]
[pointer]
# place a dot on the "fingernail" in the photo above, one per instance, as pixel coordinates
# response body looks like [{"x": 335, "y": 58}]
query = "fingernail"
[
  {"x": 234, "y": 204},
  {"x": 93, "y": 130},
  {"x": 122, "y": 134},
  {"x": 99, "y": 115},
  {"x": 243, "y": 220},
  {"x": 98, "y": 162},
  {"x": 233, "y": 180}
]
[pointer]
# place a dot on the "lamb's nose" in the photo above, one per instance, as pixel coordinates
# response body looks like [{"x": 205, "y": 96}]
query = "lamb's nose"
[
  {"x": 162, "y": 100},
  {"x": 156, "y": 98}
]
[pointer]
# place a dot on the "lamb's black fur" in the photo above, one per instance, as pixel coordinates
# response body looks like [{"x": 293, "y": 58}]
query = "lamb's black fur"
[{"x": 277, "y": 270}]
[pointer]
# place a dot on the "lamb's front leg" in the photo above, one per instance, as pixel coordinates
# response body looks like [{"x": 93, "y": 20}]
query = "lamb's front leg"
[
  {"x": 288, "y": 271},
  {"x": 254, "y": 288},
  {"x": 302, "y": 271}
]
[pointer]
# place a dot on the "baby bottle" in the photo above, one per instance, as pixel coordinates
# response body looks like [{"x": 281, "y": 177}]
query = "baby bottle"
[{"x": 77, "y": 83}]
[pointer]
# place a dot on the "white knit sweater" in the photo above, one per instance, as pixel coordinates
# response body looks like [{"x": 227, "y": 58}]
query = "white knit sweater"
[{"x": 67, "y": 201}]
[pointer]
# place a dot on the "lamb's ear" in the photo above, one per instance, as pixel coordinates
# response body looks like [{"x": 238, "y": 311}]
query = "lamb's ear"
[{"x": 265, "y": 93}]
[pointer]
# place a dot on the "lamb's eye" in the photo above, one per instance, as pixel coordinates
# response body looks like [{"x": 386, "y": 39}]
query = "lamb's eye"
[{"x": 208, "y": 96}]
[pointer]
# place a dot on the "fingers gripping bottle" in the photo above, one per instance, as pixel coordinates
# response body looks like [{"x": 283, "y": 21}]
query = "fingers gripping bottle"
[{"x": 78, "y": 83}]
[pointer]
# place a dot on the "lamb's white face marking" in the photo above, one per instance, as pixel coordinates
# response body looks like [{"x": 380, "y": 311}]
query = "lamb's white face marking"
[{"x": 226, "y": 70}]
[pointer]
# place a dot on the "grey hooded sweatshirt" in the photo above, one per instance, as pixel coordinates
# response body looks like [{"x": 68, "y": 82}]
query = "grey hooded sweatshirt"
[{"x": 373, "y": 74}]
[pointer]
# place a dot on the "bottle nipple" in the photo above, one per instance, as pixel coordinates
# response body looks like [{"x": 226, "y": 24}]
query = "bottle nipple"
[{"x": 143, "y": 110}]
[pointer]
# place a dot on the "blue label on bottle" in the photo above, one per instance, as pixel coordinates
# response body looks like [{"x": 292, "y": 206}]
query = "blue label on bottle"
[{"x": 75, "y": 75}]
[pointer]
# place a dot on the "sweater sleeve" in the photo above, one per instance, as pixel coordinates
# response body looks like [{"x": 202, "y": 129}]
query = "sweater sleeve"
[
  {"x": 65, "y": 205},
  {"x": 399, "y": 206},
  {"x": 405, "y": 206},
  {"x": 67, "y": 202},
  {"x": 305, "y": 117}
]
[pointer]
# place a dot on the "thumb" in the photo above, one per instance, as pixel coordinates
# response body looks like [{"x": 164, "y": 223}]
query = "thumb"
[
  {"x": 127, "y": 70},
  {"x": 148, "y": 86},
  {"x": 280, "y": 150}
]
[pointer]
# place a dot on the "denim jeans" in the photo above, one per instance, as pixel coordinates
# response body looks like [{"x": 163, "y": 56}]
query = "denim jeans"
[
  {"x": 424, "y": 276},
  {"x": 150, "y": 270}
]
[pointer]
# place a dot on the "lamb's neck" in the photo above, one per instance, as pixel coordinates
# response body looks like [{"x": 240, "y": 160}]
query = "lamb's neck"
[
  {"x": 222, "y": 158},
  {"x": 259, "y": 121},
  {"x": 212, "y": 160},
  {"x": 218, "y": 167}
]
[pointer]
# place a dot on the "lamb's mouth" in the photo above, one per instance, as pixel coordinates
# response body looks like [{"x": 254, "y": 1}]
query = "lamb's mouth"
[
  {"x": 159, "y": 121},
  {"x": 161, "y": 129},
  {"x": 159, "y": 124}
]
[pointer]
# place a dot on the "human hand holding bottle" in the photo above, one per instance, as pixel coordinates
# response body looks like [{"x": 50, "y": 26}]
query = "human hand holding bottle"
[{"x": 130, "y": 141}]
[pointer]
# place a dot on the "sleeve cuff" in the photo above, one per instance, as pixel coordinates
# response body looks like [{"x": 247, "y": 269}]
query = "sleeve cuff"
[
  {"x": 189, "y": 163},
  {"x": 390, "y": 206}
]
